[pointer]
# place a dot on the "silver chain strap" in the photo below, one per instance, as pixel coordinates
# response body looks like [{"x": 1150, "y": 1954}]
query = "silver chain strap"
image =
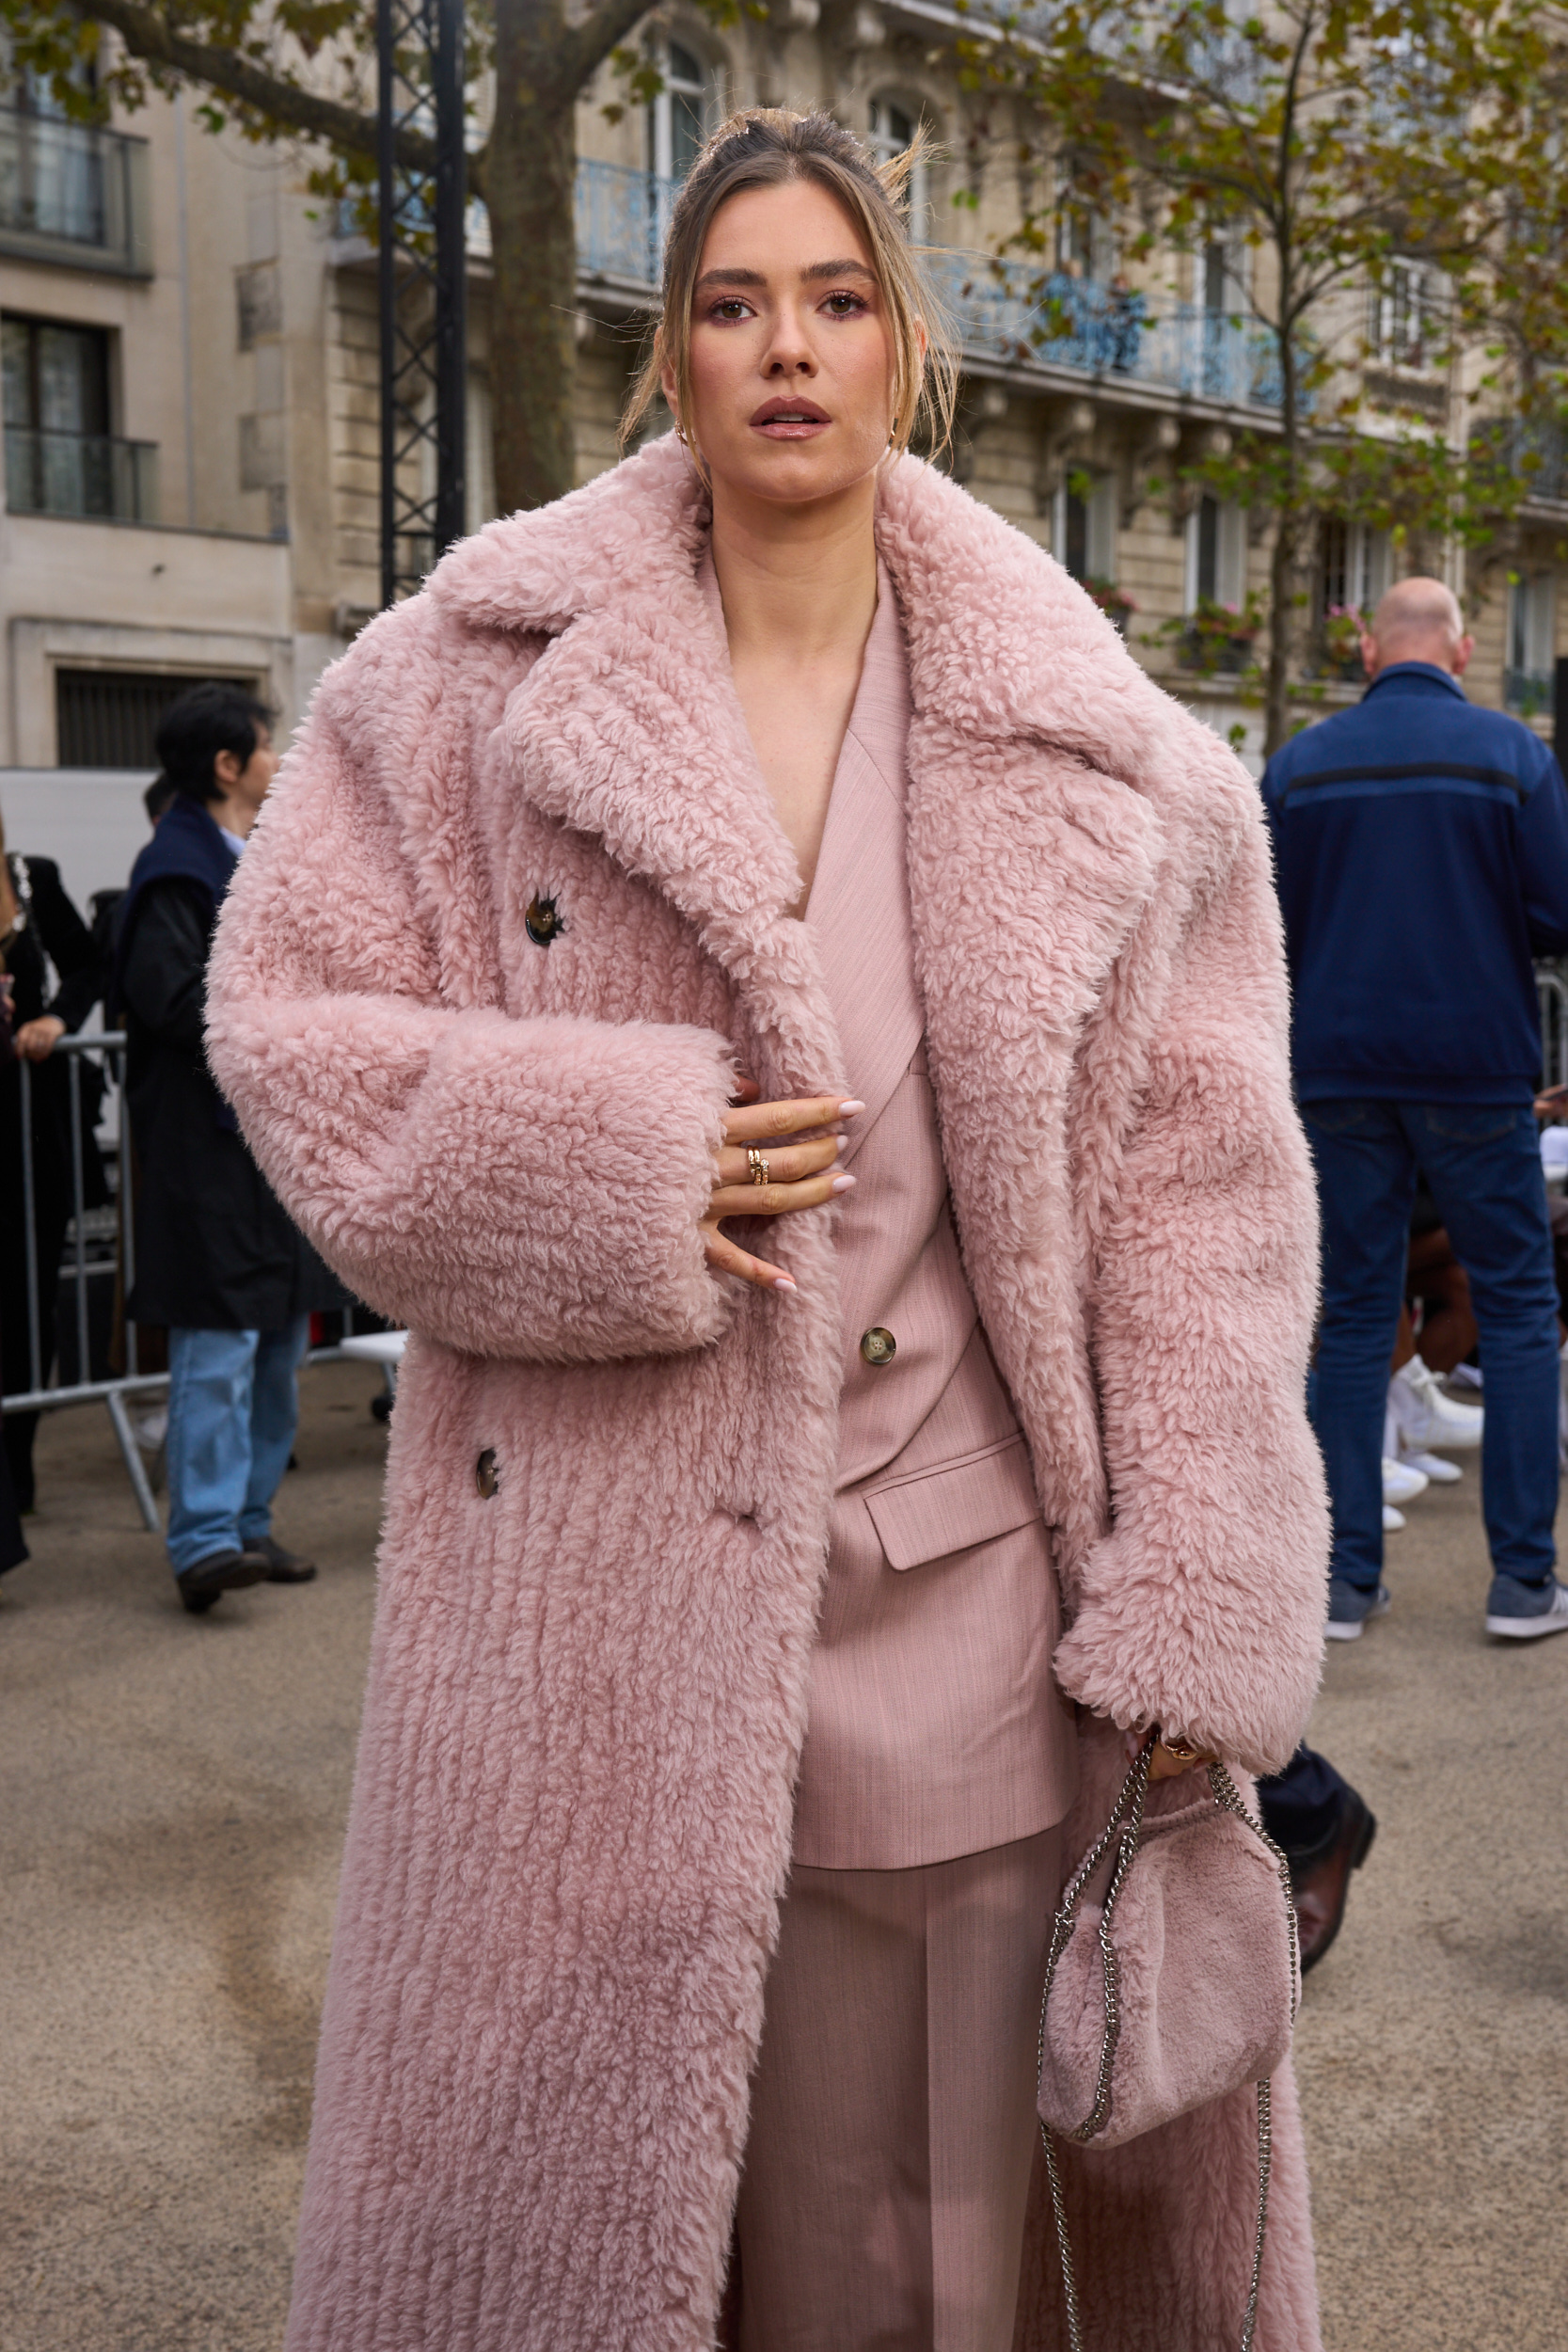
[{"x": 1124, "y": 1829}]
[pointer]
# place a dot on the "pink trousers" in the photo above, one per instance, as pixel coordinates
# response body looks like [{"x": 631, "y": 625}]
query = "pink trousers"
[{"x": 892, "y": 2123}]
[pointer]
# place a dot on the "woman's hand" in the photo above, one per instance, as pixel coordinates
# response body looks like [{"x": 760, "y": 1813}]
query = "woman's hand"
[
  {"x": 37, "y": 1039},
  {"x": 797, "y": 1176}
]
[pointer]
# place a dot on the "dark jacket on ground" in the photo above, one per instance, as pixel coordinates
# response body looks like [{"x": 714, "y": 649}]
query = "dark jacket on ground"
[
  {"x": 1421, "y": 852},
  {"x": 214, "y": 1248}
]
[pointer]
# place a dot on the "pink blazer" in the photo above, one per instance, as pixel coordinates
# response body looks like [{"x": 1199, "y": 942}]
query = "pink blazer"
[{"x": 935, "y": 1727}]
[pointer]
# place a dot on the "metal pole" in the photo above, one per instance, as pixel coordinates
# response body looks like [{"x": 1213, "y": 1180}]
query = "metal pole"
[
  {"x": 386, "y": 51},
  {"x": 127, "y": 1213},
  {"x": 451, "y": 305},
  {"x": 34, "y": 1337},
  {"x": 136, "y": 1469},
  {"x": 78, "y": 1200},
  {"x": 421, "y": 61}
]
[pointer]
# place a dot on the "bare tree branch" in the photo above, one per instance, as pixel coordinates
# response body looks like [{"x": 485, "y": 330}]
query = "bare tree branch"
[
  {"x": 588, "y": 45},
  {"x": 147, "y": 35}
]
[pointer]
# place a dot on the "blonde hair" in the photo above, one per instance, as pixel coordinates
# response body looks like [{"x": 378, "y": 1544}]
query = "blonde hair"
[{"x": 767, "y": 147}]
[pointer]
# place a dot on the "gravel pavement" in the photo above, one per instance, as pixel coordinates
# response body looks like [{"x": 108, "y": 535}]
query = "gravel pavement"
[{"x": 174, "y": 1796}]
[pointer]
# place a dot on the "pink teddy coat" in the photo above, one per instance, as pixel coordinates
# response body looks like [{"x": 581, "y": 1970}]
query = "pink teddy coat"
[{"x": 571, "y": 1820}]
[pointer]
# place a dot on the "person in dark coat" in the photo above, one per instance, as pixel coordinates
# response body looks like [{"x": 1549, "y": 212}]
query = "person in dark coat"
[
  {"x": 40, "y": 928},
  {"x": 217, "y": 1259}
]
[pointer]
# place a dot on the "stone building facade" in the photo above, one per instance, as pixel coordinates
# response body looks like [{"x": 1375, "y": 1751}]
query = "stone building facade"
[{"x": 191, "y": 387}]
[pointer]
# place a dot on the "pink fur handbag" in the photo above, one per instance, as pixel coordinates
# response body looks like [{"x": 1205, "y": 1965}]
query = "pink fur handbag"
[{"x": 1194, "y": 1995}]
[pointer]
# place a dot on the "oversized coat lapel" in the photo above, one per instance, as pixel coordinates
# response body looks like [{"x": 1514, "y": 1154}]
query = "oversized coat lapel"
[
  {"x": 1029, "y": 865},
  {"x": 628, "y": 728},
  {"x": 1039, "y": 759}
]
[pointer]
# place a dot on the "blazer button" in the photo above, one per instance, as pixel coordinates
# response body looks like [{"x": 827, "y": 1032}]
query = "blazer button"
[
  {"x": 487, "y": 1476},
  {"x": 542, "y": 922},
  {"x": 878, "y": 1345}
]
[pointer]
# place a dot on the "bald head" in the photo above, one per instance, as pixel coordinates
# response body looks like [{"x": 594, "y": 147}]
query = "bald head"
[{"x": 1418, "y": 620}]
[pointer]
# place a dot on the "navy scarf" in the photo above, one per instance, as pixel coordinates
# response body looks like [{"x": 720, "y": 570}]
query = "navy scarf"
[{"x": 188, "y": 847}]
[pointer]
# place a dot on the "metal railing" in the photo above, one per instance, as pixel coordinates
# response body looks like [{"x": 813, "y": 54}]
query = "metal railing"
[
  {"x": 39, "y": 1395},
  {"x": 65, "y": 186},
  {"x": 83, "y": 474},
  {"x": 98, "y": 1245},
  {"x": 623, "y": 217},
  {"x": 1011, "y": 311},
  {"x": 1006, "y": 311}
]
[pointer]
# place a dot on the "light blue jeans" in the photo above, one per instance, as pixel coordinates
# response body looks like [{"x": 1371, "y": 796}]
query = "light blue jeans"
[{"x": 233, "y": 1403}]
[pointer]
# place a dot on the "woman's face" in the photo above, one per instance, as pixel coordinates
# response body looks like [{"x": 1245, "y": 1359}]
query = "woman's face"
[{"x": 791, "y": 354}]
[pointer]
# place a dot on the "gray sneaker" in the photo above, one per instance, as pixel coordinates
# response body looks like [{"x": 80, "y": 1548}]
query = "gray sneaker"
[
  {"x": 1523, "y": 1612},
  {"x": 1350, "y": 1606}
]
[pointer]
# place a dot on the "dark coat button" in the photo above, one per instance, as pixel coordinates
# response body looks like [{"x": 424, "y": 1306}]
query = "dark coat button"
[
  {"x": 487, "y": 1476},
  {"x": 878, "y": 1345},
  {"x": 542, "y": 922}
]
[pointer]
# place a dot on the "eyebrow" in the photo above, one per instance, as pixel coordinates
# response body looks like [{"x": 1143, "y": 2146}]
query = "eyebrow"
[{"x": 818, "y": 272}]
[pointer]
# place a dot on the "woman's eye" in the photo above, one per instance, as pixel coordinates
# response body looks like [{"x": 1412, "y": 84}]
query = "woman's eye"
[
  {"x": 844, "y": 305},
  {"x": 730, "y": 307}
]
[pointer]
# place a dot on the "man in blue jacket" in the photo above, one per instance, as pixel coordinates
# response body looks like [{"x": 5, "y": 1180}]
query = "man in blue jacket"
[{"x": 1421, "y": 850}]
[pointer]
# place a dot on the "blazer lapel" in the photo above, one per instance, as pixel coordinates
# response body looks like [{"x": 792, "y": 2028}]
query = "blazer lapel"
[{"x": 859, "y": 908}]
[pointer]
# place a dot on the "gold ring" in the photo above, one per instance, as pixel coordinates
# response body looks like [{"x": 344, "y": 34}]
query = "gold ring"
[{"x": 757, "y": 1162}]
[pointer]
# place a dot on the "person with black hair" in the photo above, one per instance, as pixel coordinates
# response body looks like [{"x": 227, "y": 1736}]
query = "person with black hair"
[{"x": 218, "y": 1259}]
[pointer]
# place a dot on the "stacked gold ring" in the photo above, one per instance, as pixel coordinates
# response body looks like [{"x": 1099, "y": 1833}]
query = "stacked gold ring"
[{"x": 757, "y": 1162}]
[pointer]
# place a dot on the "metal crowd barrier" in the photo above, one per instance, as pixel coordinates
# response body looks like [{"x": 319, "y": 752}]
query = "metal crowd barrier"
[{"x": 79, "y": 1268}]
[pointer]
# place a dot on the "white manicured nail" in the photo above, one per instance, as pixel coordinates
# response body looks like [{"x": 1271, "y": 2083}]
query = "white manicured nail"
[
  {"x": 783, "y": 1282},
  {"x": 843, "y": 1184}
]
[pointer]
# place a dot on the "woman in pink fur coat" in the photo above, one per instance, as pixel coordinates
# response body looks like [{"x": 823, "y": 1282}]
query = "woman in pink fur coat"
[{"x": 748, "y": 968}]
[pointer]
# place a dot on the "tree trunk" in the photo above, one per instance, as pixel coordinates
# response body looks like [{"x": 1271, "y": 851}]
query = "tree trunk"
[
  {"x": 1286, "y": 537},
  {"x": 531, "y": 171},
  {"x": 1282, "y": 566}
]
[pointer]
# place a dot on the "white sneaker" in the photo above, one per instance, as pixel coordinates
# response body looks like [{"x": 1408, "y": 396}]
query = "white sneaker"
[
  {"x": 1425, "y": 1416},
  {"x": 1434, "y": 1466},
  {"x": 1392, "y": 1521},
  {"x": 1402, "y": 1481}
]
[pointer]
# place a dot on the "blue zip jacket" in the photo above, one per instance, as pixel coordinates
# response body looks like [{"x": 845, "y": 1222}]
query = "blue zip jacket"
[{"x": 1421, "y": 854}]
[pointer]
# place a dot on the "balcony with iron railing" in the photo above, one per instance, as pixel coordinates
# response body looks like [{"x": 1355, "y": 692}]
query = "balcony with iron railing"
[
  {"x": 81, "y": 474},
  {"x": 73, "y": 195},
  {"x": 1002, "y": 312}
]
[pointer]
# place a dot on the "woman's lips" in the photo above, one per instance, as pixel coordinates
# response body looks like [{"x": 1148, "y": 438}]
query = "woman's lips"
[{"x": 792, "y": 428}]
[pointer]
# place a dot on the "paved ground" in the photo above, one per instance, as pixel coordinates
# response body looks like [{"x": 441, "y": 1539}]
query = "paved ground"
[{"x": 174, "y": 1793}]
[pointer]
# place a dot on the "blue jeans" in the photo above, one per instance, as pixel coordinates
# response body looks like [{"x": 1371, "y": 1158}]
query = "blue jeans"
[
  {"x": 1483, "y": 1162},
  {"x": 233, "y": 1403}
]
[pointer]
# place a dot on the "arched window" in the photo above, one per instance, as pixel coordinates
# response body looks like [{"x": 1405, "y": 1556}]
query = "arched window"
[
  {"x": 892, "y": 127},
  {"x": 680, "y": 116}
]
